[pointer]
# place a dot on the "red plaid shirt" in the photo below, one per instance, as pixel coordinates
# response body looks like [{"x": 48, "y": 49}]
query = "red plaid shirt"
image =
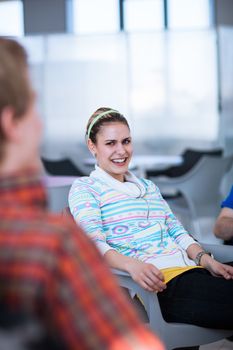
[{"x": 52, "y": 269}]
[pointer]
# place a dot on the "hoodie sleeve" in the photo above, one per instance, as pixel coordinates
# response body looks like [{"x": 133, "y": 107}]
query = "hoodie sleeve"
[{"x": 84, "y": 200}]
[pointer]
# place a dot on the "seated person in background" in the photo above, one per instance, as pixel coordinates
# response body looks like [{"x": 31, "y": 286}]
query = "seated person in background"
[
  {"x": 49, "y": 268},
  {"x": 224, "y": 224},
  {"x": 136, "y": 231}
]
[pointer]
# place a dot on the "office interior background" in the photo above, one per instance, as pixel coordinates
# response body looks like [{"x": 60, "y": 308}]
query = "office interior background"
[{"x": 167, "y": 65}]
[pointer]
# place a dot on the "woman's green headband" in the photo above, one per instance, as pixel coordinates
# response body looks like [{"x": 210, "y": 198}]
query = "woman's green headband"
[{"x": 98, "y": 118}]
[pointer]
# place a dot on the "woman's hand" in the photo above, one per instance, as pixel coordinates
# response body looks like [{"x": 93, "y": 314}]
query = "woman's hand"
[
  {"x": 216, "y": 268},
  {"x": 147, "y": 275}
]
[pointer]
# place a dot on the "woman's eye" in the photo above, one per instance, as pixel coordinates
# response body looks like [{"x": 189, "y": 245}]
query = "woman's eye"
[
  {"x": 127, "y": 142},
  {"x": 110, "y": 143}
]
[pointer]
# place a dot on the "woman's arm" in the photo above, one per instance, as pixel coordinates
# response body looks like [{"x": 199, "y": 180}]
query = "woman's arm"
[
  {"x": 85, "y": 209},
  {"x": 147, "y": 275},
  {"x": 193, "y": 250},
  {"x": 224, "y": 224},
  {"x": 213, "y": 266},
  {"x": 182, "y": 238}
]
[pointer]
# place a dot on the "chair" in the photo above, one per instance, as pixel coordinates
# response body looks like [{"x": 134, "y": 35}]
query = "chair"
[
  {"x": 58, "y": 188},
  {"x": 200, "y": 189},
  {"x": 173, "y": 334},
  {"x": 190, "y": 158},
  {"x": 61, "y": 167},
  {"x": 176, "y": 335}
]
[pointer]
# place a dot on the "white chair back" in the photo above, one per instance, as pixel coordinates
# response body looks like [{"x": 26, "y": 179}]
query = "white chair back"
[
  {"x": 201, "y": 188},
  {"x": 58, "y": 188}
]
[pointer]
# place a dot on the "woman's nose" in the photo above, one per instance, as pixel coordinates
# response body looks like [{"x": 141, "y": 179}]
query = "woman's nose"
[{"x": 120, "y": 148}]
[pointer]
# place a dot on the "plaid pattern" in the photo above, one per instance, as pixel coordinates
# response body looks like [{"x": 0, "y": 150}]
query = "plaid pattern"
[{"x": 49, "y": 267}]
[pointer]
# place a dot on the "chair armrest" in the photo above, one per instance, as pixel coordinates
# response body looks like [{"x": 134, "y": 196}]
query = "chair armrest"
[
  {"x": 120, "y": 272},
  {"x": 221, "y": 252},
  {"x": 170, "y": 187},
  {"x": 149, "y": 299},
  {"x": 173, "y": 334}
]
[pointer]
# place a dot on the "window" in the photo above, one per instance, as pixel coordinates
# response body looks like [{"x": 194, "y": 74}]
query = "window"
[
  {"x": 95, "y": 16},
  {"x": 185, "y": 14},
  {"x": 168, "y": 96},
  {"x": 11, "y": 14},
  {"x": 143, "y": 15}
]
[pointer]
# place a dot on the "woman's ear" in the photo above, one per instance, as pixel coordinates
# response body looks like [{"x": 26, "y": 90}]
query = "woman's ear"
[{"x": 91, "y": 147}]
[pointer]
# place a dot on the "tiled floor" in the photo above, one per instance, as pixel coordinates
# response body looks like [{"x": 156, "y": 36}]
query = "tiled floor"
[{"x": 219, "y": 345}]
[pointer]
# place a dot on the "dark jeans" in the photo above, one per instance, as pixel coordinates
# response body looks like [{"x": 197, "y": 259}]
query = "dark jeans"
[{"x": 198, "y": 298}]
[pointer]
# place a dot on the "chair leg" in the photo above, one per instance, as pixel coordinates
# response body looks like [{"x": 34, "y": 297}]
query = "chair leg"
[{"x": 137, "y": 304}]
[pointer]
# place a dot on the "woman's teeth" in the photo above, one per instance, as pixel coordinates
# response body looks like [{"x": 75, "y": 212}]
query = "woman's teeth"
[{"x": 119, "y": 160}]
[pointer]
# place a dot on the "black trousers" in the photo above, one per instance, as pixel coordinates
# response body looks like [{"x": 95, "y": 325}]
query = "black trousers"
[{"x": 197, "y": 297}]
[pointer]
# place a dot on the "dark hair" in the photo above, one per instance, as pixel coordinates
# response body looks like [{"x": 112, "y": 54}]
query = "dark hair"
[
  {"x": 111, "y": 117},
  {"x": 15, "y": 89}
]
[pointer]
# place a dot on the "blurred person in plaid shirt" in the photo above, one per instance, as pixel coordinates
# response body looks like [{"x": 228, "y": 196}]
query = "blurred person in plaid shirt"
[{"x": 49, "y": 268}]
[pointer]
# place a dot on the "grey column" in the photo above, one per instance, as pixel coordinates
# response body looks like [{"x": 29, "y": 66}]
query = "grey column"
[
  {"x": 224, "y": 12},
  {"x": 44, "y": 16}
]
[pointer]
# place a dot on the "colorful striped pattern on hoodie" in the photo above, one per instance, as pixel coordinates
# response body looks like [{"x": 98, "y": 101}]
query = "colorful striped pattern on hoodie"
[{"x": 143, "y": 228}]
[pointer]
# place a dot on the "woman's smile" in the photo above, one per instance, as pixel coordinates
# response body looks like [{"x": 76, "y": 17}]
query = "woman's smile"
[{"x": 113, "y": 149}]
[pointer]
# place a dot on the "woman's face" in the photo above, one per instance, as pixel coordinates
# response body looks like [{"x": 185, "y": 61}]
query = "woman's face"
[{"x": 113, "y": 149}]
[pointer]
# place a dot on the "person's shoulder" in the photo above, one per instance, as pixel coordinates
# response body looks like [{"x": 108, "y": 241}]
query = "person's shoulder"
[
  {"x": 82, "y": 180},
  {"x": 151, "y": 187},
  {"x": 148, "y": 183},
  {"x": 44, "y": 230},
  {"x": 230, "y": 195},
  {"x": 85, "y": 183},
  {"x": 57, "y": 225},
  {"x": 59, "y": 233},
  {"x": 228, "y": 201}
]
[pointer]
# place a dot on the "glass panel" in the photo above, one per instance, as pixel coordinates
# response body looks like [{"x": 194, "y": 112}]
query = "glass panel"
[
  {"x": 165, "y": 84},
  {"x": 143, "y": 14},
  {"x": 189, "y": 14},
  {"x": 95, "y": 16},
  {"x": 36, "y": 48},
  {"x": 11, "y": 14},
  {"x": 80, "y": 74},
  {"x": 173, "y": 87}
]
